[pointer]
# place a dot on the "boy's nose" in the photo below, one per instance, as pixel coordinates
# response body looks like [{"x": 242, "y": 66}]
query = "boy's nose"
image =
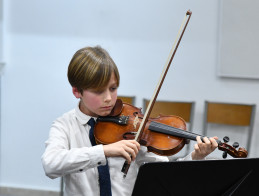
[{"x": 107, "y": 96}]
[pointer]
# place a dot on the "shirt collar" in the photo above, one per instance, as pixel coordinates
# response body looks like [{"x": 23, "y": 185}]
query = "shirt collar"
[{"x": 82, "y": 118}]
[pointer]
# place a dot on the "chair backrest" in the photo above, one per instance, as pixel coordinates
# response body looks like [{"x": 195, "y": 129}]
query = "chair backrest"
[
  {"x": 178, "y": 108},
  {"x": 230, "y": 114},
  {"x": 127, "y": 99}
]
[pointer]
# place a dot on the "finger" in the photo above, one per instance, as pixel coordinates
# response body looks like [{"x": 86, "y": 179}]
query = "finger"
[
  {"x": 131, "y": 152},
  {"x": 206, "y": 141},
  {"x": 198, "y": 139},
  {"x": 215, "y": 137},
  {"x": 214, "y": 143},
  {"x": 135, "y": 147},
  {"x": 132, "y": 144},
  {"x": 201, "y": 141},
  {"x": 197, "y": 148},
  {"x": 135, "y": 143},
  {"x": 199, "y": 144},
  {"x": 203, "y": 146},
  {"x": 126, "y": 156}
]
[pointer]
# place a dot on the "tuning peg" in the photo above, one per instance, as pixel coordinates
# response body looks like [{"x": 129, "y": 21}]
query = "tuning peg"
[
  {"x": 235, "y": 144},
  {"x": 224, "y": 155},
  {"x": 226, "y": 139}
]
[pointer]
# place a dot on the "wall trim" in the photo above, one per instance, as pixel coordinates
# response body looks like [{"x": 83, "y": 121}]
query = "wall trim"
[
  {"x": 13, "y": 191},
  {"x": 2, "y": 64}
]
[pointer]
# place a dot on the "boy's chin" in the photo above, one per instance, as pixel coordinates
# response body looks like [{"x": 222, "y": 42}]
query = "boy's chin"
[{"x": 106, "y": 113}]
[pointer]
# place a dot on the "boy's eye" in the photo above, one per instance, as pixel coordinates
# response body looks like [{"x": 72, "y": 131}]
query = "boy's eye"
[
  {"x": 98, "y": 91},
  {"x": 113, "y": 88}
]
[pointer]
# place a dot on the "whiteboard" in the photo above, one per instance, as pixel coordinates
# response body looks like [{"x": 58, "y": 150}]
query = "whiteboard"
[{"x": 239, "y": 39}]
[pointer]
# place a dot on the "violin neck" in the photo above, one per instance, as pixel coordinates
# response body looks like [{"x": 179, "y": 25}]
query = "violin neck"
[{"x": 169, "y": 130}]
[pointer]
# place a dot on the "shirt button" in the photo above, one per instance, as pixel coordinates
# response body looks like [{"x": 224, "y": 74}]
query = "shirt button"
[
  {"x": 99, "y": 163},
  {"x": 80, "y": 170}
]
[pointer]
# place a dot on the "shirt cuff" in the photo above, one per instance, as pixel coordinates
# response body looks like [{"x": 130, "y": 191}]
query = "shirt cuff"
[
  {"x": 97, "y": 156},
  {"x": 186, "y": 158}
]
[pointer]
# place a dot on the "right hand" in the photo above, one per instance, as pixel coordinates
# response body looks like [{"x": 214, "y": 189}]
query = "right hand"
[{"x": 125, "y": 148}]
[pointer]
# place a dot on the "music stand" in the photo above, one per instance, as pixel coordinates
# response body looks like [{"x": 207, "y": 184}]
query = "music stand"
[{"x": 236, "y": 177}]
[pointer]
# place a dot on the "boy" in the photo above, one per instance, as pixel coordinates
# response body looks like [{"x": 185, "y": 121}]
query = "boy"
[{"x": 94, "y": 78}]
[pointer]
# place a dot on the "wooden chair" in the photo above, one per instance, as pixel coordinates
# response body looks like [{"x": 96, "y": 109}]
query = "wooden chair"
[
  {"x": 230, "y": 114},
  {"x": 178, "y": 108},
  {"x": 127, "y": 99}
]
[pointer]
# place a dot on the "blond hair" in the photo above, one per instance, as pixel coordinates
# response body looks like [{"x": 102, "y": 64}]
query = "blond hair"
[{"x": 91, "y": 67}]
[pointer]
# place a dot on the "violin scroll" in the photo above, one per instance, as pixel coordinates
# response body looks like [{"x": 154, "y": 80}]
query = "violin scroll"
[{"x": 231, "y": 150}]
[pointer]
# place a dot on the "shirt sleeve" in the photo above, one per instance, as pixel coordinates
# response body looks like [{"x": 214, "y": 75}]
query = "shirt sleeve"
[
  {"x": 59, "y": 159},
  {"x": 144, "y": 157}
]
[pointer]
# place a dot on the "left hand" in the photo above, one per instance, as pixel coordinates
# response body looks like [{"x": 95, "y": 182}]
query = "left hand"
[{"x": 202, "y": 149}]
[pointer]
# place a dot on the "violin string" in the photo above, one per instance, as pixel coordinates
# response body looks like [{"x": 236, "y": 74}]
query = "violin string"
[
  {"x": 181, "y": 132},
  {"x": 176, "y": 130}
]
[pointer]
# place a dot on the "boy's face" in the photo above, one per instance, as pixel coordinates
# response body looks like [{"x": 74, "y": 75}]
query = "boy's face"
[{"x": 98, "y": 103}]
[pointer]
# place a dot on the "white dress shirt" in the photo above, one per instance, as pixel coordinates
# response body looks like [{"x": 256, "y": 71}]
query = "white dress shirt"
[{"x": 69, "y": 153}]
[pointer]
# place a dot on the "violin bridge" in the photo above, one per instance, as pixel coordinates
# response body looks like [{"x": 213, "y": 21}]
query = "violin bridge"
[{"x": 135, "y": 122}]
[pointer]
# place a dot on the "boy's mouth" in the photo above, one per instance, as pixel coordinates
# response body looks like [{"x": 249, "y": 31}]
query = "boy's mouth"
[{"x": 107, "y": 107}]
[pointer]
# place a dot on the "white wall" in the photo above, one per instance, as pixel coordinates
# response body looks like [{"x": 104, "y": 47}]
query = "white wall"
[
  {"x": 1, "y": 34},
  {"x": 40, "y": 38}
]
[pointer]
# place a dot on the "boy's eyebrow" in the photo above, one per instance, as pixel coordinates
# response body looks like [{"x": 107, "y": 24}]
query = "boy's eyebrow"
[{"x": 115, "y": 83}]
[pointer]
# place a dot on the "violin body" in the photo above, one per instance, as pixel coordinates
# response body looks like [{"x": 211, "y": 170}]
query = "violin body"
[{"x": 126, "y": 124}]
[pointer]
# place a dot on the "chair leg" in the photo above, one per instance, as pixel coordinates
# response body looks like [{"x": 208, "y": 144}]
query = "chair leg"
[{"x": 61, "y": 186}]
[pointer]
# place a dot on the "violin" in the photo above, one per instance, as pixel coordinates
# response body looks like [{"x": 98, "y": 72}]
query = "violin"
[{"x": 164, "y": 135}]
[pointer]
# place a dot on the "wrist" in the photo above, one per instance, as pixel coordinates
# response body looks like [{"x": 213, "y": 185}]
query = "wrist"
[
  {"x": 196, "y": 156},
  {"x": 106, "y": 150}
]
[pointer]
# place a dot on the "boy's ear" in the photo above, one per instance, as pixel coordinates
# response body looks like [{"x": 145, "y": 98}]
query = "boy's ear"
[{"x": 76, "y": 92}]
